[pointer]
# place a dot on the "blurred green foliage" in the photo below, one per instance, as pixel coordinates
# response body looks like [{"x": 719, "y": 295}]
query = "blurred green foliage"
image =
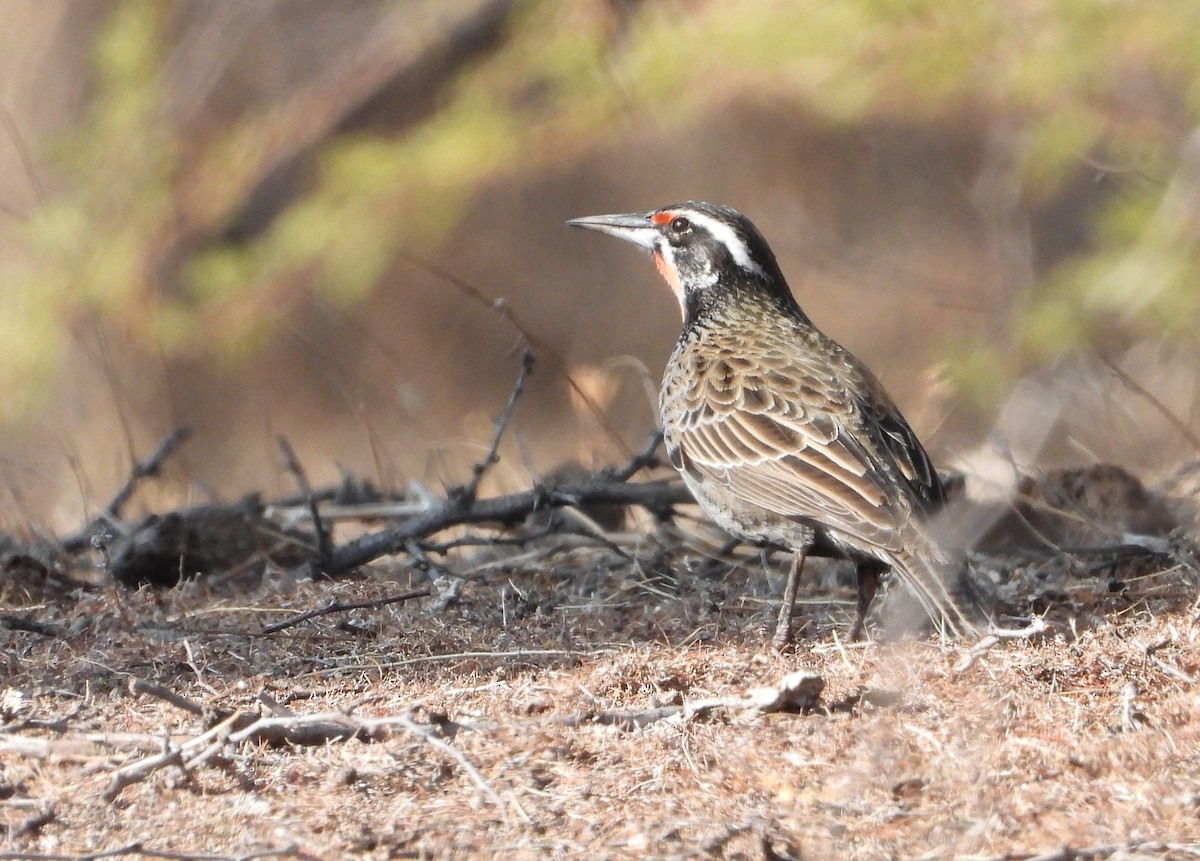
[{"x": 1086, "y": 82}]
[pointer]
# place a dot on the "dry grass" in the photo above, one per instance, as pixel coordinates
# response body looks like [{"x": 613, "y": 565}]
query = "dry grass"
[{"x": 1088, "y": 737}]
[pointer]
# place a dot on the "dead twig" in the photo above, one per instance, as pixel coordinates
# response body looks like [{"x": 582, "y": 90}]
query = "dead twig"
[
  {"x": 339, "y": 607},
  {"x": 797, "y": 692},
  {"x": 501, "y": 307},
  {"x": 426, "y": 734},
  {"x": 647, "y": 458},
  {"x": 287, "y": 730},
  {"x": 33, "y": 824},
  {"x": 1138, "y": 389},
  {"x": 142, "y": 469},
  {"x": 447, "y": 582},
  {"x": 148, "y": 468},
  {"x": 141, "y": 686},
  {"x": 1173, "y": 672},
  {"x": 141, "y": 769},
  {"x": 324, "y": 540},
  {"x": 656, "y": 496},
  {"x": 467, "y": 494},
  {"x": 997, "y": 635},
  {"x": 20, "y": 623}
]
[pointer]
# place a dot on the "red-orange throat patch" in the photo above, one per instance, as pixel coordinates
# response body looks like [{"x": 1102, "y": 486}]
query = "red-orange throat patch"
[{"x": 669, "y": 275}]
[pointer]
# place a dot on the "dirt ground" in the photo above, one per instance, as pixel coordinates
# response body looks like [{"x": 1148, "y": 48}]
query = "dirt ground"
[{"x": 583, "y": 700}]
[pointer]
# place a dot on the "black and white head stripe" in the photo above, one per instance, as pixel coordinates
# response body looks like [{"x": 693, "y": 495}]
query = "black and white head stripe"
[
  {"x": 726, "y": 226},
  {"x": 696, "y": 245}
]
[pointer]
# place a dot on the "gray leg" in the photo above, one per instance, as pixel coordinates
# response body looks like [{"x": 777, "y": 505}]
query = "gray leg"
[{"x": 783, "y": 627}]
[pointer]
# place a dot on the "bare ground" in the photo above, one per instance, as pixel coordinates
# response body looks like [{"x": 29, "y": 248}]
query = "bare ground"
[{"x": 548, "y": 712}]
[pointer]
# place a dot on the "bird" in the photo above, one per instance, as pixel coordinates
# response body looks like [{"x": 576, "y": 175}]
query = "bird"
[{"x": 783, "y": 436}]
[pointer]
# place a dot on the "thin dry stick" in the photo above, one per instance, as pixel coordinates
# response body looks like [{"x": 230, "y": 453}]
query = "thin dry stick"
[
  {"x": 324, "y": 548},
  {"x": 449, "y": 582},
  {"x": 995, "y": 636},
  {"x": 18, "y": 142},
  {"x": 509, "y": 508},
  {"x": 338, "y": 607},
  {"x": 1138, "y": 389},
  {"x": 1173, "y": 672},
  {"x": 141, "y": 769},
  {"x": 149, "y": 467},
  {"x": 647, "y": 458},
  {"x": 21, "y": 623},
  {"x": 501, "y": 307},
  {"x": 468, "y": 493},
  {"x": 141, "y": 686},
  {"x": 426, "y": 735},
  {"x": 513, "y": 654}
]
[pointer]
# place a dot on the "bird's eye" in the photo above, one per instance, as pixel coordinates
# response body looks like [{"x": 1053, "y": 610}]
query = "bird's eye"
[{"x": 679, "y": 224}]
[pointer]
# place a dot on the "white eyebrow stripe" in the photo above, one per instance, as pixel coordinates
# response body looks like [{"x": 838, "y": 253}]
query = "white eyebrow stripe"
[{"x": 727, "y": 236}]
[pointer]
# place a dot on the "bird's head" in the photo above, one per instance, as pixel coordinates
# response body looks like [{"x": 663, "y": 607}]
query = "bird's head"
[{"x": 698, "y": 247}]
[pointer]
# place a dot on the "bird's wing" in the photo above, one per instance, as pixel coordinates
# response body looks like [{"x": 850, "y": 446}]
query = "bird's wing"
[
  {"x": 792, "y": 440},
  {"x": 905, "y": 450}
]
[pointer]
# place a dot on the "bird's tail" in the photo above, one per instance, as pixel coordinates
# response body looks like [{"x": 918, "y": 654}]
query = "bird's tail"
[{"x": 927, "y": 572}]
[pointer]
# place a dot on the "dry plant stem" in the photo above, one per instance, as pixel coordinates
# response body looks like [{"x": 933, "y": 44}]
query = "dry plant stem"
[
  {"x": 501, "y": 307},
  {"x": 1173, "y": 672},
  {"x": 33, "y": 824},
  {"x": 449, "y": 583},
  {"x": 147, "y": 468},
  {"x": 1140, "y": 390},
  {"x": 995, "y": 636},
  {"x": 426, "y": 735},
  {"x": 324, "y": 542},
  {"x": 141, "y": 686},
  {"x": 470, "y": 490},
  {"x": 142, "y": 469},
  {"x": 302, "y": 730},
  {"x": 647, "y": 458},
  {"x": 339, "y": 607}
]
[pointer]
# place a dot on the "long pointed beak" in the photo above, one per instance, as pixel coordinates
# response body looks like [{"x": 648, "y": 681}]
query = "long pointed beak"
[{"x": 634, "y": 227}]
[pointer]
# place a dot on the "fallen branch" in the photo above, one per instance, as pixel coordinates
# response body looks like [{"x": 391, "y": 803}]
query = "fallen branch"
[
  {"x": 656, "y": 496},
  {"x": 289, "y": 730},
  {"x": 647, "y": 458}
]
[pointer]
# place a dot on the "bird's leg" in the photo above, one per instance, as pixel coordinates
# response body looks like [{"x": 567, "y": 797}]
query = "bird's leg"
[
  {"x": 783, "y": 627},
  {"x": 867, "y": 575}
]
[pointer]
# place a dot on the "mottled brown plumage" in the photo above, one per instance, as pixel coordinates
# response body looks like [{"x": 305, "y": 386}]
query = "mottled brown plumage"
[{"x": 780, "y": 433}]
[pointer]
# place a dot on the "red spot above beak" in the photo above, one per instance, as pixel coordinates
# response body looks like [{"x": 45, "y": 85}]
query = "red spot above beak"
[{"x": 661, "y": 217}]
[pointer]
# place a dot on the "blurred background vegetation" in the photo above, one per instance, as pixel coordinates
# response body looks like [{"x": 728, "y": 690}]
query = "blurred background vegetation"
[{"x": 296, "y": 217}]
